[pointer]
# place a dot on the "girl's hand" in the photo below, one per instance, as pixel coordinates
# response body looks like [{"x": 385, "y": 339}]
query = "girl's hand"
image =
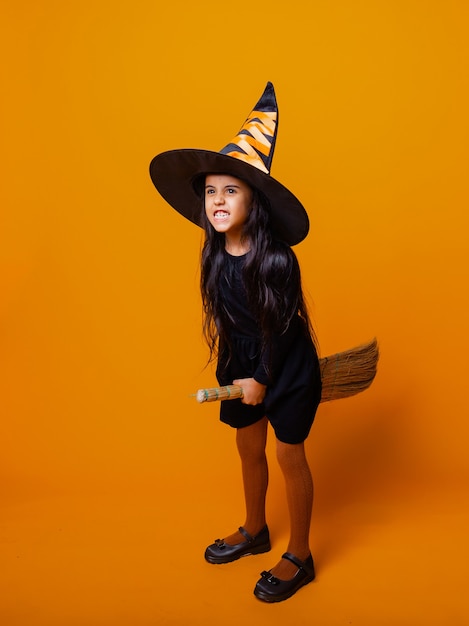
[{"x": 253, "y": 392}]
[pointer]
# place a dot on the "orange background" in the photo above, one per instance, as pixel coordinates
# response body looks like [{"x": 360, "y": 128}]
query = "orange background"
[{"x": 113, "y": 478}]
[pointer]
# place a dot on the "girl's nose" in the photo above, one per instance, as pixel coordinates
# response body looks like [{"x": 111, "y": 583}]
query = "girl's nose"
[{"x": 219, "y": 199}]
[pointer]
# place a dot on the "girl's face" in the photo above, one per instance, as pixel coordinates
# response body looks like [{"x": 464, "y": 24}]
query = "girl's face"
[{"x": 228, "y": 202}]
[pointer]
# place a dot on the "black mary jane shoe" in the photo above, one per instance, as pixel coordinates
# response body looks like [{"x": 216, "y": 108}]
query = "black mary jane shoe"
[
  {"x": 271, "y": 589},
  {"x": 220, "y": 552}
]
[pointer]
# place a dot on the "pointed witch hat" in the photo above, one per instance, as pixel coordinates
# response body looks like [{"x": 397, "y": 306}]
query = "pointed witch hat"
[{"x": 177, "y": 173}]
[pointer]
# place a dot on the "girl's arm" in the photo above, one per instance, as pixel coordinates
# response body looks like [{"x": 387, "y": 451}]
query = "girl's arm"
[
  {"x": 285, "y": 323},
  {"x": 274, "y": 354}
]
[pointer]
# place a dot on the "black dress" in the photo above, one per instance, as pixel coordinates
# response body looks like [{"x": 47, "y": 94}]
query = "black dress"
[{"x": 289, "y": 366}]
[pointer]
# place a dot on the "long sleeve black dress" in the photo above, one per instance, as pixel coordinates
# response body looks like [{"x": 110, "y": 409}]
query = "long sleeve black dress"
[{"x": 288, "y": 366}]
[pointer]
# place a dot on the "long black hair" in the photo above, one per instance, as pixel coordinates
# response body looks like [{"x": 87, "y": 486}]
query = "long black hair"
[{"x": 271, "y": 277}]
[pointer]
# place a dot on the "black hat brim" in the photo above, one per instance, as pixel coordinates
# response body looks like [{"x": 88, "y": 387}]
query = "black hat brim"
[{"x": 174, "y": 173}]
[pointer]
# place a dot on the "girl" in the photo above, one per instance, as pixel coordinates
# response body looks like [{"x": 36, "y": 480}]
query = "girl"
[{"x": 256, "y": 324}]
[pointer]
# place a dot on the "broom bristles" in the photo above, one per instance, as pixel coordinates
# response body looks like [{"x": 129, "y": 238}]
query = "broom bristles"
[
  {"x": 347, "y": 373},
  {"x": 343, "y": 374}
]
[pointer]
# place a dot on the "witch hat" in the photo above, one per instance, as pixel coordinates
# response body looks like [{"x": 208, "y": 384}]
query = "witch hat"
[{"x": 176, "y": 173}]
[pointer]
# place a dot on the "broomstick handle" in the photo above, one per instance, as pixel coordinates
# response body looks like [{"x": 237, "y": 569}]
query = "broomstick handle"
[
  {"x": 343, "y": 374},
  {"x": 229, "y": 392}
]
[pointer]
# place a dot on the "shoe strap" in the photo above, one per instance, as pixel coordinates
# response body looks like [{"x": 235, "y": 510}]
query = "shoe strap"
[
  {"x": 245, "y": 534},
  {"x": 296, "y": 561},
  {"x": 249, "y": 537}
]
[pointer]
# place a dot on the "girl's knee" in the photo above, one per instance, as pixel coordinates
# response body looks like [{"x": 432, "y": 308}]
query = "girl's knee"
[
  {"x": 290, "y": 454},
  {"x": 251, "y": 441}
]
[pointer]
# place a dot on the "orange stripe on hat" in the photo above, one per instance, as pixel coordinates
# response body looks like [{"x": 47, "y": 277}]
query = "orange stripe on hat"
[{"x": 255, "y": 137}]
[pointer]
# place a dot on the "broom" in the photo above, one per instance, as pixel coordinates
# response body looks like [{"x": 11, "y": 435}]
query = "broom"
[{"x": 343, "y": 374}]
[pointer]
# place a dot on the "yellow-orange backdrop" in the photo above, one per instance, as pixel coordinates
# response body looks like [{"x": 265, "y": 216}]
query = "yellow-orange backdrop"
[{"x": 109, "y": 468}]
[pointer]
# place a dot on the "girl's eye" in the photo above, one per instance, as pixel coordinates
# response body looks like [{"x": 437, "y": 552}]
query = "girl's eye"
[
  {"x": 208, "y": 191},
  {"x": 231, "y": 190}
]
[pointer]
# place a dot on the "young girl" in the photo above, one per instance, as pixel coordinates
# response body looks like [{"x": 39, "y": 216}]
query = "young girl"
[{"x": 256, "y": 323}]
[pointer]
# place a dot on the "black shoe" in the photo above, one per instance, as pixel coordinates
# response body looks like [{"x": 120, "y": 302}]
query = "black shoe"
[
  {"x": 272, "y": 589},
  {"x": 221, "y": 552}
]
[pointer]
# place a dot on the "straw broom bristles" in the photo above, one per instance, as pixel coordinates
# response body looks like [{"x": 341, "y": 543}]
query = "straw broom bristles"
[
  {"x": 343, "y": 374},
  {"x": 347, "y": 373}
]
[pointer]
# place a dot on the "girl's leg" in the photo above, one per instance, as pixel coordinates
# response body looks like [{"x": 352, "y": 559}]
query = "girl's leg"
[
  {"x": 299, "y": 489},
  {"x": 251, "y": 442}
]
